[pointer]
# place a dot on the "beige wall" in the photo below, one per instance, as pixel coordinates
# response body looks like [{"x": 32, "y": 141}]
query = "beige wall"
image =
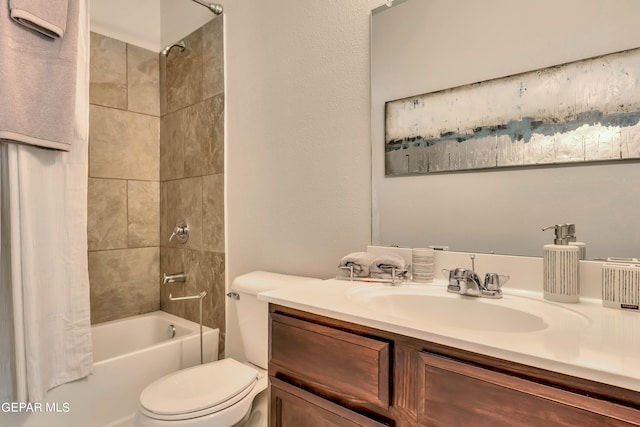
[{"x": 157, "y": 155}]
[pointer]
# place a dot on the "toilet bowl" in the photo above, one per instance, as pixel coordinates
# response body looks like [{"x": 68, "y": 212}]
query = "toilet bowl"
[
  {"x": 220, "y": 393},
  {"x": 214, "y": 394}
]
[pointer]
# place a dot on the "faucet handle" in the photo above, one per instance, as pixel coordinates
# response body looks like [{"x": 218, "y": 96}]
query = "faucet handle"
[
  {"x": 181, "y": 231},
  {"x": 461, "y": 273},
  {"x": 494, "y": 281}
]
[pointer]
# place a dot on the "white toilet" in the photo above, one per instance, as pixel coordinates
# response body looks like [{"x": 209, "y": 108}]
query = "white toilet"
[{"x": 221, "y": 393}]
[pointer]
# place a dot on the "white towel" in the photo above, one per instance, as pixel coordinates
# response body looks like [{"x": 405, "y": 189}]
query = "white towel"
[
  {"x": 361, "y": 262},
  {"x": 383, "y": 265},
  {"x": 46, "y": 17},
  {"x": 38, "y": 82}
]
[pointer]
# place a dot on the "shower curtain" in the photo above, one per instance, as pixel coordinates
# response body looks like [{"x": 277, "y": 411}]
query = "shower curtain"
[{"x": 44, "y": 286}]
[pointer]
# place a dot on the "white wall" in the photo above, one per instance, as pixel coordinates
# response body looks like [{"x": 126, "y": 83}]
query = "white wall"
[
  {"x": 298, "y": 136},
  {"x": 179, "y": 18},
  {"x": 451, "y": 43},
  {"x": 135, "y": 22},
  {"x": 151, "y": 24}
]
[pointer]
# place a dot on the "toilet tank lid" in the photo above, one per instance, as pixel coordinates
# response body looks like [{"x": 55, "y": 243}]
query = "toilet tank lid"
[{"x": 261, "y": 281}]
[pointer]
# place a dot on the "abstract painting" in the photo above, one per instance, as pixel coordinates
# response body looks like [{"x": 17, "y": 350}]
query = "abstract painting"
[{"x": 583, "y": 111}]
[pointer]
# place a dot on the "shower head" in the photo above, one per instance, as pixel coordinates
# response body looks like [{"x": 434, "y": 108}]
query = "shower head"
[
  {"x": 213, "y": 7},
  {"x": 166, "y": 50}
]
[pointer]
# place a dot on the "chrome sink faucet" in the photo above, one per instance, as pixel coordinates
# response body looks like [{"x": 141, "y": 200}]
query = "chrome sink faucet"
[
  {"x": 464, "y": 282},
  {"x": 467, "y": 282}
]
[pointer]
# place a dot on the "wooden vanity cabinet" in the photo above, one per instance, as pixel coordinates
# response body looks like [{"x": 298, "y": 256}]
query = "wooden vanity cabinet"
[
  {"x": 330, "y": 368},
  {"x": 453, "y": 393},
  {"x": 292, "y": 406},
  {"x": 326, "y": 372}
]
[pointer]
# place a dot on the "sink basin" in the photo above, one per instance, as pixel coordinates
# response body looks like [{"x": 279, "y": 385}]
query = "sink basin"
[{"x": 431, "y": 304}]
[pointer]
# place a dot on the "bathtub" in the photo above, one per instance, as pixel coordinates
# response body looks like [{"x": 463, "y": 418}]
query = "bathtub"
[{"x": 128, "y": 355}]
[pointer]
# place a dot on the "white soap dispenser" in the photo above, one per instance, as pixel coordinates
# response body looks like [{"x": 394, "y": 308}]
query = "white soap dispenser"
[{"x": 560, "y": 266}]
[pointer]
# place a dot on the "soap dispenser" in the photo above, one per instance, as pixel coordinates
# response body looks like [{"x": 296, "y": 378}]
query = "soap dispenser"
[
  {"x": 560, "y": 266},
  {"x": 571, "y": 230}
]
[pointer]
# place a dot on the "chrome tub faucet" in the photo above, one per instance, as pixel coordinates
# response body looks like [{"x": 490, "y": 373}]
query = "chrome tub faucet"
[{"x": 171, "y": 278}]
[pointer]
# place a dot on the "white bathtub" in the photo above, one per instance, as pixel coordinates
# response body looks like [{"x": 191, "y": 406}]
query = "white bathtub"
[{"x": 129, "y": 354}]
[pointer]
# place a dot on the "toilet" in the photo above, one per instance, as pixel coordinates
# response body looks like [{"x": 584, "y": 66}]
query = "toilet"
[{"x": 221, "y": 393}]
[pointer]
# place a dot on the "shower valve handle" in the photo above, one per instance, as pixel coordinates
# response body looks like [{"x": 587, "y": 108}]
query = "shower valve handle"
[{"x": 180, "y": 232}]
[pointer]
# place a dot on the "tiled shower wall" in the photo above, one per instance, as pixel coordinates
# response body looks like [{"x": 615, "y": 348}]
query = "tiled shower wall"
[
  {"x": 192, "y": 173},
  {"x": 124, "y": 180},
  {"x": 156, "y": 155}
]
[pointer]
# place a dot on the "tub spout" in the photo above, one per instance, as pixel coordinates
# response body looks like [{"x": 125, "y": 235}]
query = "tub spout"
[{"x": 176, "y": 277}]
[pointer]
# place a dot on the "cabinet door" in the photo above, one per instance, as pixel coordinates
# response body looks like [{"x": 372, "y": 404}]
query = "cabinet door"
[
  {"x": 454, "y": 393},
  {"x": 294, "y": 407},
  {"x": 330, "y": 361}
]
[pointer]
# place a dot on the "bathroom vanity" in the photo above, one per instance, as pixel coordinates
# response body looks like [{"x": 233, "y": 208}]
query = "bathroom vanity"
[{"x": 336, "y": 363}]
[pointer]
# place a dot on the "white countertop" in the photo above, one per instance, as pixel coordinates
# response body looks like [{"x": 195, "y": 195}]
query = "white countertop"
[{"x": 606, "y": 348}]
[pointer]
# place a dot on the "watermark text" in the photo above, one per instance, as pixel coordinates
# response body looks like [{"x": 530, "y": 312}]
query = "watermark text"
[{"x": 17, "y": 407}]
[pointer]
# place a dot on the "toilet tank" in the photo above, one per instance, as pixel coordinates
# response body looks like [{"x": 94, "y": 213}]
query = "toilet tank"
[{"x": 253, "y": 314}]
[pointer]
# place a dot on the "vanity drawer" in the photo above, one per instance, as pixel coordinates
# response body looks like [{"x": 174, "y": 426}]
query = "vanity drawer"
[
  {"x": 293, "y": 407},
  {"x": 346, "y": 367},
  {"x": 452, "y": 393}
]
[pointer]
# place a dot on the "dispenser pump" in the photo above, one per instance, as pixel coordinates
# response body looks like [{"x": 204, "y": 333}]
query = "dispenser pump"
[
  {"x": 565, "y": 233},
  {"x": 560, "y": 265}
]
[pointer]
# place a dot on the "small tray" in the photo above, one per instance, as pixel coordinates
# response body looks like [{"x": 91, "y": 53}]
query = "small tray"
[{"x": 397, "y": 276}]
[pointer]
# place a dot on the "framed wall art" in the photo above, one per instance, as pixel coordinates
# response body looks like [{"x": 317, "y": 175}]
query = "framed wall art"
[{"x": 583, "y": 111}]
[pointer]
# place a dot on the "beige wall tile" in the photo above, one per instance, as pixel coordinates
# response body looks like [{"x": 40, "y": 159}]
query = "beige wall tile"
[
  {"x": 216, "y": 117},
  {"x": 172, "y": 134},
  {"x": 196, "y": 142},
  {"x": 181, "y": 199},
  {"x": 213, "y": 213},
  {"x": 143, "y": 67},
  {"x": 108, "y": 72},
  {"x": 184, "y": 73},
  {"x": 123, "y": 145},
  {"x": 143, "y": 213},
  {"x": 213, "y": 58},
  {"x": 205, "y": 271},
  {"x": 171, "y": 262},
  {"x": 221, "y": 341},
  {"x": 127, "y": 145},
  {"x": 106, "y": 214},
  {"x": 204, "y": 137},
  {"x": 124, "y": 283},
  {"x": 163, "y": 85}
]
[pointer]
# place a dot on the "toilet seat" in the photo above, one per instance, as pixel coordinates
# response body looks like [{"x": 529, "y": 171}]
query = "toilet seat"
[{"x": 198, "y": 391}]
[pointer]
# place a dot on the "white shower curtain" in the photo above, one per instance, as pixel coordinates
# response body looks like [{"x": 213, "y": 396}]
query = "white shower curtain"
[{"x": 45, "y": 331}]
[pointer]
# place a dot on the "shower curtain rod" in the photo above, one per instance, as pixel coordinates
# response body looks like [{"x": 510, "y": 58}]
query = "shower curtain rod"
[{"x": 213, "y": 7}]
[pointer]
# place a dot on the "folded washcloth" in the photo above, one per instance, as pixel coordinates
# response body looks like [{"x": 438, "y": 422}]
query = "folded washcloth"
[
  {"x": 361, "y": 262},
  {"x": 39, "y": 84},
  {"x": 46, "y": 17},
  {"x": 382, "y": 266}
]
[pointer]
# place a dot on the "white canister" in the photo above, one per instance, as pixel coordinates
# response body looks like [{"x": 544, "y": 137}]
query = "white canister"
[
  {"x": 560, "y": 273},
  {"x": 422, "y": 268}
]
